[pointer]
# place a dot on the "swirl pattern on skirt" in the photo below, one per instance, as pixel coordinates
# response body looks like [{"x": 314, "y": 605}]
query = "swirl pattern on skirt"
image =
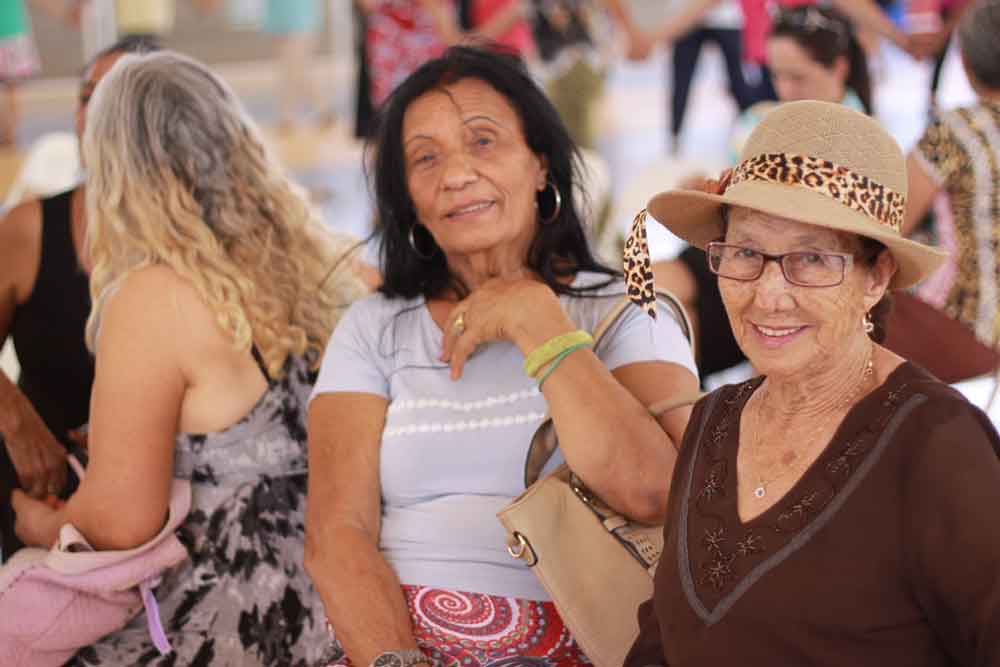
[
  {"x": 461, "y": 629},
  {"x": 482, "y": 617}
]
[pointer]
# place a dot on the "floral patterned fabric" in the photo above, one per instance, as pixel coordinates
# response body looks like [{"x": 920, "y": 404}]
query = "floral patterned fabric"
[
  {"x": 960, "y": 150},
  {"x": 244, "y": 597},
  {"x": 460, "y": 629},
  {"x": 401, "y": 37}
]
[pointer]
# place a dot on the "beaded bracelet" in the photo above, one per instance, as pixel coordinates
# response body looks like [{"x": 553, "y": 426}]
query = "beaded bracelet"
[
  {"x": 552, "y": 348},
  {"x": 558, "y": 360}
]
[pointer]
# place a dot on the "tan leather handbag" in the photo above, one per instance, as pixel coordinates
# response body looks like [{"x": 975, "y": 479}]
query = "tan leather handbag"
[{"x": 596, "y": 564}]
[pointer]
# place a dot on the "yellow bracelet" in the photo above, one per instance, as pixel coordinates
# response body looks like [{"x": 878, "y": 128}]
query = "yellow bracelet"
[
  {"x": 558, "y": 360},
  {"x": 552, "y": 348}
]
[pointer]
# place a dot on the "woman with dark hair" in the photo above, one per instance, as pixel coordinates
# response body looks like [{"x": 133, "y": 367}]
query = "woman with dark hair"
[
  {"x": 431, "y": 390},
  {"x": 813, "y": 54},
  {"x": 815, "y": 37}
]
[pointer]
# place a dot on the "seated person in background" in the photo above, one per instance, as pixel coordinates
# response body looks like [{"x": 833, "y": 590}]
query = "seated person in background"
[
  {"x": 423, "y": 413},
  {"x": 44, "y": 303},
  {"x": 813, "y": 55},
  {"x": 959, "y": 156},
  {"x": 214, "y": 289},
  {"x": 839, "y": 509}
]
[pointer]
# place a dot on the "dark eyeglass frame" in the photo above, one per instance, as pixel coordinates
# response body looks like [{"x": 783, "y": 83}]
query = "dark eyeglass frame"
[{"x": 847, "y": 258}]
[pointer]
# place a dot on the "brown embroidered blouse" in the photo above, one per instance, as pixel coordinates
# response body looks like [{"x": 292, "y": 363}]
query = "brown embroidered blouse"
[{"x": 886, "y": 552}]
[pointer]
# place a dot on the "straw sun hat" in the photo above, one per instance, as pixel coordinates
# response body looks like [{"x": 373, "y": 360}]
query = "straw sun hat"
[{"x": 813, "y": 162}]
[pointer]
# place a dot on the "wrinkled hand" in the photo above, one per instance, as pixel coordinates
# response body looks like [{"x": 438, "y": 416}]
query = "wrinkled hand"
[
  {"x": 38, "y": 521},
  {"x": 523, "y": 311},
  {"x": 40, "y": 461}
]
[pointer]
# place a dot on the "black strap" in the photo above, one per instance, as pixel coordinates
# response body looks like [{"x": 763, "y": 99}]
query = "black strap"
[{"x": 260, "y": 363}]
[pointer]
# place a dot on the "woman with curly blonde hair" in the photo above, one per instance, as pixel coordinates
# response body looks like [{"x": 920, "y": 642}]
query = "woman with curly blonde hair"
[{"x": 214, "y": 290}]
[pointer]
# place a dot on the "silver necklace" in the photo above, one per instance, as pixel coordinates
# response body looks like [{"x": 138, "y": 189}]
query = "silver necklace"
[{"x": 760, "y": 491}]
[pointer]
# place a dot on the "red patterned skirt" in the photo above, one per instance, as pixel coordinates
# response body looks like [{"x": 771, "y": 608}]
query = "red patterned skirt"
[{"x": 459, "y": 629}]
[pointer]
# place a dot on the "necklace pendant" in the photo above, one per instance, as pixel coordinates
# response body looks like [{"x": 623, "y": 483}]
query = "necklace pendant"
[{"x": 759, "y": 492}]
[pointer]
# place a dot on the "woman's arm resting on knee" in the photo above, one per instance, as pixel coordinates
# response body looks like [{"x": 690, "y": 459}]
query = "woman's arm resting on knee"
[{"x": 361, "y": 593}]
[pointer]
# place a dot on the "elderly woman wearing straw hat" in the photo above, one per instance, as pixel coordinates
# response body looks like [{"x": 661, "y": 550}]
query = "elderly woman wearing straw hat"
[{"x": 840, "y": 508}]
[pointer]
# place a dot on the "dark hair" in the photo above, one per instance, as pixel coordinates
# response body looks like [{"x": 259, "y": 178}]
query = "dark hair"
[
  {"x": 560, "y": 247},
  {"x": 978, "y": 41},
  {"x": 880, "y": 312},
  {"x": 128, "y": 44},
  {"x": 825, "y": 34}
]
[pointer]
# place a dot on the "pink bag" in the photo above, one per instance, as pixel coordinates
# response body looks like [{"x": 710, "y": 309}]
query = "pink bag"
[{"x": 54, "y": 603}]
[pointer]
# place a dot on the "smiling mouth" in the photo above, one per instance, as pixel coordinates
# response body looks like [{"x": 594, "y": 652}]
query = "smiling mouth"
[
  {"x": 777, "y": 332},
  {"x": 470, "y": 209}
]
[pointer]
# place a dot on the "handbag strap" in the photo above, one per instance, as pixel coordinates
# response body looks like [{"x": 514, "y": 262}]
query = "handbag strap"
[
  {"x": 662, "y": 296},
  {"x": 544, "y": 442}
]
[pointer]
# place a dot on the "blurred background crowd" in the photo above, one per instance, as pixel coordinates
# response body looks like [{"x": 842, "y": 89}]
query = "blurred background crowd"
[{"x": 657, "y": 92}]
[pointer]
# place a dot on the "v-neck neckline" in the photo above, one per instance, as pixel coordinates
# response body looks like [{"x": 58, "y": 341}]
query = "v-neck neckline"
[
  {"x": 847, "y": 428},
  {"x": 720, "y": 555},
  {"x": 733, "y": 451}
]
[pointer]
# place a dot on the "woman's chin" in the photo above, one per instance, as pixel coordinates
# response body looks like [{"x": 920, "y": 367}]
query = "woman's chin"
[{"x": 777, "y": 354}]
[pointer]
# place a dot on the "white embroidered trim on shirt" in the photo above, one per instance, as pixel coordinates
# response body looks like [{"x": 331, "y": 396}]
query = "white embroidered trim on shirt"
[
  {"x": 468, "y": 406},
  {"x": 465, "y": 425}
]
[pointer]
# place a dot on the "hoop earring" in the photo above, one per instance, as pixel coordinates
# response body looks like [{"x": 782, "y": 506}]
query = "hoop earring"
[
  {"x": 558, "y": 203},
  {"x": 416, "y": 250},
  {"x": 867, "y": 324}
]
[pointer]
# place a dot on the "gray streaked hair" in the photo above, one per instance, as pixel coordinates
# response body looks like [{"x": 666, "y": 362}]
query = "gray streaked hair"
[
  {"x": 178, "y": 175},
  {"x": 979, "y": 38}
]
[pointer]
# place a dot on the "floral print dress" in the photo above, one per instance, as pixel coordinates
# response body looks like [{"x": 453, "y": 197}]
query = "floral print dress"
[{"x": 243, "y": 597}]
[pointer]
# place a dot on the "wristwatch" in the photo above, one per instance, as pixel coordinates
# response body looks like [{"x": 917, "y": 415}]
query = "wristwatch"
[{"x": 403, "y": 658}]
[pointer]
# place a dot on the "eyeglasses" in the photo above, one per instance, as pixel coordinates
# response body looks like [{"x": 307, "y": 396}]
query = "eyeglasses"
[{"x": 805, "y": 269}]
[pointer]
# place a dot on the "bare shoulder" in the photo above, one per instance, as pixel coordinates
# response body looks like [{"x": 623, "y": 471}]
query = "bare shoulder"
[
  {"x": 148, "y": 289},
  {"x": 154, "y": 302},
  {"x": 164, "y": 306},
  {"x": 20, "y": 247},
  {"x": 20, "y": 219}
]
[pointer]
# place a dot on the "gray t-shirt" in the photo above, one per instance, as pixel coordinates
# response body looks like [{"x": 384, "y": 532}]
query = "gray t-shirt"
[{"x": 453, "y": 452}]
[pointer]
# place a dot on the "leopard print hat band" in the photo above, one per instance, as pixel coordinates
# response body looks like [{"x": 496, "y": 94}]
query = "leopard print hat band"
[
  {"x": 638, "y": 267},
  {"x": 858, "y": 193}
]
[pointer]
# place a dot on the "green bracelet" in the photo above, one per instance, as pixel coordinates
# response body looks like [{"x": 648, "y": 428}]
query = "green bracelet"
[
  {"x": 552, "y": 348},
  {"x": 559, "y": 359}
]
